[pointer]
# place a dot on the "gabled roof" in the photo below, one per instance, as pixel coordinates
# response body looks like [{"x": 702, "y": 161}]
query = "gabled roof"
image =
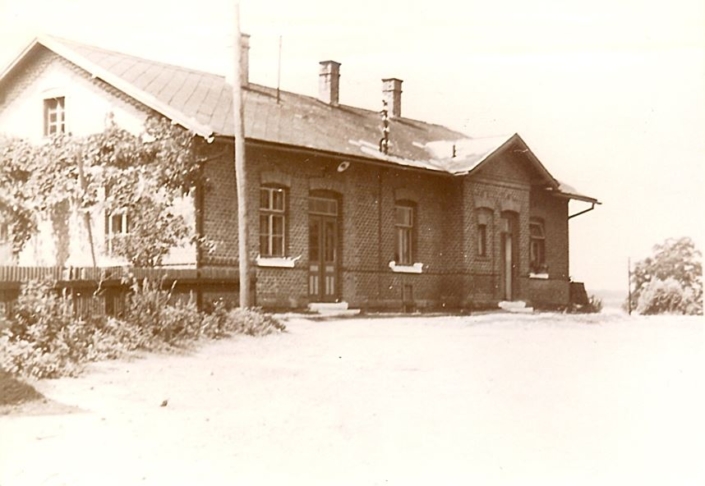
[{"x": 202, "y": 102}]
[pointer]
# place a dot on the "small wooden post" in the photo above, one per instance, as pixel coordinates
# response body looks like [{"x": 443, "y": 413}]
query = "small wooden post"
[{"x": 629, "y": 285}]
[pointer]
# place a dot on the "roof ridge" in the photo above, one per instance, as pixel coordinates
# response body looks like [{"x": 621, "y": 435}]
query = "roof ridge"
[
  {"x": 70, "y": 43},
  {"x": 65, "y": 41}
]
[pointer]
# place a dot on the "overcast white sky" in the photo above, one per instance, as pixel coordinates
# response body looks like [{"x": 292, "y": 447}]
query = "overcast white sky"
[{"x": 610, "y": 94}]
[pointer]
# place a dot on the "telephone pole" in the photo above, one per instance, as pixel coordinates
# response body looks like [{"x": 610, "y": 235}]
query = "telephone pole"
[{"x": 240, "y": 177}]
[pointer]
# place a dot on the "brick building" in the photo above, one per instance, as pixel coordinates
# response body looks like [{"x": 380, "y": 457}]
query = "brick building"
[{"x": 346, "y": 205}]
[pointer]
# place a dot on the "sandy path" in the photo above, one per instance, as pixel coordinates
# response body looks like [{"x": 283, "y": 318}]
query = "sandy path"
[{"x": 498, "y": 399}]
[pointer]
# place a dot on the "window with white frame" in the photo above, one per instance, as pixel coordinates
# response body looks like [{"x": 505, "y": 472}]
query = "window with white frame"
[
  {"x": 117, "y": 225},
  {"x": 537, "y": 248},
  {"x": 54, "y": 115},
  {"x": 272, "y": 221},
  {"x": 405, "y": 245}
]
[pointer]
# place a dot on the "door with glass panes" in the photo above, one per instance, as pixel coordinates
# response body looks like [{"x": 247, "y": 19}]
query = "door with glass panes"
[{"x": 323, "y": 253}]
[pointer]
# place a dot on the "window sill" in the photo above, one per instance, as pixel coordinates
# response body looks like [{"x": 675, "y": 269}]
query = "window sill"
[
  {"x": 276, "y": 262},
  {"x": 540, "y": 276},
  {"x": 415, "y": 268}
]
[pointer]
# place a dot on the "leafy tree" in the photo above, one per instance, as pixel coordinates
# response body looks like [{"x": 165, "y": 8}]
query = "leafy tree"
[
  {"x": 113, "y": 171},
  {"x": 669, "y": 281}
]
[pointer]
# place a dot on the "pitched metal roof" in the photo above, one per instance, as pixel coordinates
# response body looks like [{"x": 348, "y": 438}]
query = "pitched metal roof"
[{"x": 202, "y": 102}]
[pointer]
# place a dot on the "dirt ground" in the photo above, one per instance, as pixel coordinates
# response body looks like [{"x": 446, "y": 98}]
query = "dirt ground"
[{"x": 496, "y": 399}]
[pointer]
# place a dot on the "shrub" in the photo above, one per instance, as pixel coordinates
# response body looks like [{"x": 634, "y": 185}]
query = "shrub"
[
  {"x": 217, "y": 323},
  {"x": 666, "y": 296},
  {"x": 254, "y": 322},
  {"x": 150, "y": 310},
  {"x": 222, "y": 321},
  {"x": 669, "y": 281},
  {"x": 594, "y": 306},
  {"x": 44, "y": 338}
]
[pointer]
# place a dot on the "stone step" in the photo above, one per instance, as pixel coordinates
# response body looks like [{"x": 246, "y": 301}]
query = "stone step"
[
  {"x": 339, "y": 313},
  {"x": 327, "y": 306},
  {"x": 516, "y": 306}
]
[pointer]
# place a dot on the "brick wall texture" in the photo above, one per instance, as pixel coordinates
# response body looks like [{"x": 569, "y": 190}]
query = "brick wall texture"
[{"x": 445, "y": 238}]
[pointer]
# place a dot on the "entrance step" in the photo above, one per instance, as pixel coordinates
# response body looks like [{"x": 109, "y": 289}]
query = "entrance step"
[
  {"x": 332, "y": 309},
  {"x": 516, "y": 306},
  {"x": 327, "y": 306}
]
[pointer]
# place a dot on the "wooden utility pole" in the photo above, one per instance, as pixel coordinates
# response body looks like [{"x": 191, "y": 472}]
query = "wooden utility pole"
[{"x": 240, "y": 177}]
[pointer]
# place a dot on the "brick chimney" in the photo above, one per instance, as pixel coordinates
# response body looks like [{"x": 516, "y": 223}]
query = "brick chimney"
[
  {"x": 244, "y": 62},
  {"x": 391, "y": 92},
  {"x": 329, "y": 82},
  {"x": 245, "y": 58}
]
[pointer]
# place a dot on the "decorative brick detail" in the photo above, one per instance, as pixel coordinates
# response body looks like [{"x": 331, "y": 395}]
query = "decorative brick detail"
[
  {"x": 406, "y": 194},
  {"x": 275, "y": 177},
  {"x": 326, "y": 184}
]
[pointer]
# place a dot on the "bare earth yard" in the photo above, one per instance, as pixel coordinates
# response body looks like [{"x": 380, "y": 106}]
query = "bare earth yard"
[{"x": 495, "y": 399}]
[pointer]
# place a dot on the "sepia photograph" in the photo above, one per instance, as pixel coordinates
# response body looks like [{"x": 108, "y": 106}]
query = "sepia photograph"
[{"x": 254, "y": 242}]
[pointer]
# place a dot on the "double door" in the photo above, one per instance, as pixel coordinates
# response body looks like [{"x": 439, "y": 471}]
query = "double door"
[{"x": 323, "y": 250}]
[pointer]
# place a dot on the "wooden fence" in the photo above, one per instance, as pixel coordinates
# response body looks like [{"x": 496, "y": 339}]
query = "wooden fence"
[{"x": 103, "y": 290}]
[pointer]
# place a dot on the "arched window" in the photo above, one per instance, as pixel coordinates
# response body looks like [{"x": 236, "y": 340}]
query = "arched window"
[
  {"x": 537, "y": 248},
  {"x": 272, "y": 221},
  {"x": 404, "y": 223}
]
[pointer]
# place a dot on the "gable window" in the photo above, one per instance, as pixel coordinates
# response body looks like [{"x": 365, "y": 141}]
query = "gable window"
[
  {"x": 405, "y": 246},
  {"x": 484, "y": 223},
  {"x": 272, "y": 221},
  {"x": 117, "y": 225},
  {"x": 54, "y": 115},
  {"x": 537, "y": 248}
]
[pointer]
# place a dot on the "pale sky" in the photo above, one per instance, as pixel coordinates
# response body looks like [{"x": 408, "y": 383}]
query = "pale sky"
[{"x": 609, "y": 94}]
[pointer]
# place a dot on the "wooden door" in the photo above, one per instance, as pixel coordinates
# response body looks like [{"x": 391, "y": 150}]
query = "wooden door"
[
  {"x": 509, "y": 257},
  {"x": 323, "y": 250}
]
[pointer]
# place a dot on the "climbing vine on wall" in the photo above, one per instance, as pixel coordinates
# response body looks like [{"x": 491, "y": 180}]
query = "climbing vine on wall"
[{"x": 114, "y": 171}]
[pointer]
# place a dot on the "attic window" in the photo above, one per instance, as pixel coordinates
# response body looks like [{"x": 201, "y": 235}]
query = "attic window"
[{"x": 54, "y": 116}]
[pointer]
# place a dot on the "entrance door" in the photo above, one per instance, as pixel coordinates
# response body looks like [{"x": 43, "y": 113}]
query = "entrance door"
[
  {"x": 323, "y": 249},
  {"x": 507, "y": 261},
  {"x": 509, "y": 257}
]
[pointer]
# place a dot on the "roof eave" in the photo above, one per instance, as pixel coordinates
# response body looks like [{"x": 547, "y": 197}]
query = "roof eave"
[
  {"x": 334, "y": 155},
  {"x": 18, "y": 59},
  {"x": 577, "y": 197}
]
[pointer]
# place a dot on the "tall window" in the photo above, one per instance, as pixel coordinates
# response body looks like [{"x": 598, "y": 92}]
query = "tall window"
[
  {"x": 272, "y": 222},
  {"x": 484, "y": 224},
  {"x": 482, "y": 240},
  {"x": 404, "y": 226},
  {"x": 117, "y": 225},
  {"x": 537, "y": 250},
  {"x": 54, "y": 116}
]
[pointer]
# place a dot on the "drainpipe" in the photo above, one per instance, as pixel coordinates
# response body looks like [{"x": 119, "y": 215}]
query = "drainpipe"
[{"x": 582, "y": 212}]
